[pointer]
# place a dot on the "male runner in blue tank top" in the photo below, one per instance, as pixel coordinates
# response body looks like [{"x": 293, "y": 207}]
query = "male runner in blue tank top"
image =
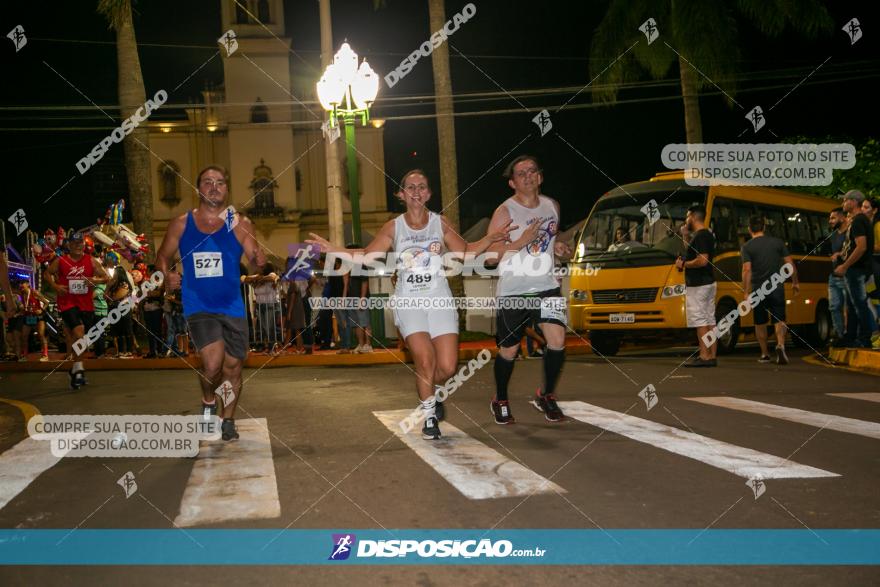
[{"x": 211, "y": 245}]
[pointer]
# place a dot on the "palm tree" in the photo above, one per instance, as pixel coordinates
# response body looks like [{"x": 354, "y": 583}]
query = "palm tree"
[
  {"x": 699, "y": 33},
  {"x": 132, "y": 96}
]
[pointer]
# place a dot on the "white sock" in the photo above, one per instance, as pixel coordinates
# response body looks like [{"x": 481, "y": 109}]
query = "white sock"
[
  {"x": 78, "y": 366},
  {"x": 428, "y": 406},
  {"x": 437, "y": 389}
]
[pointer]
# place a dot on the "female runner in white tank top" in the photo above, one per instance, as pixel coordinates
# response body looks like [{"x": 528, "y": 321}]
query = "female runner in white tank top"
[{"x": 418, "y": 237}]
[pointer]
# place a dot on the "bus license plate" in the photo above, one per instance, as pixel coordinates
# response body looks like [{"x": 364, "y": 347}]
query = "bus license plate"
[{"x": 628, "y": 318}]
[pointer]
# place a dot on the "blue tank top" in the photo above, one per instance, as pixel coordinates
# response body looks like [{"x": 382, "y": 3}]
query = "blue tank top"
[{"x": 211, "y": 278}]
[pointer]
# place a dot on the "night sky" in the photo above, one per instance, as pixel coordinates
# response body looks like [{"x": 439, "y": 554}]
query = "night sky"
[{"x": 517, "y": 45}]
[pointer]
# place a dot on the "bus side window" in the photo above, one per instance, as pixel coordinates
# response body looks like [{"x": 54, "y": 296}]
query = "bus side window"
[
  {"x": 800, "y": 240},
  {"x": 722, "y": 225},
  {"x": 819, "y": 225},
  {"x": 774, "y": 219},
  {"x": 743, "y": 213}
]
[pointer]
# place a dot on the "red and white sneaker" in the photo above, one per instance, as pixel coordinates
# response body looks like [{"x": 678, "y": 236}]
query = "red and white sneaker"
[{"x": 547, "y": 404}]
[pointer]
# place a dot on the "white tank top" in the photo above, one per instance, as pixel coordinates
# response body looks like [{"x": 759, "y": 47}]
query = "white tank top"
[
  {"x": 530, "y": 270},
  {"x": 419, "y": 261}
]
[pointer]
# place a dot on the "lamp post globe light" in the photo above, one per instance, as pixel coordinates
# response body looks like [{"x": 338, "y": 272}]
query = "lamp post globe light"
[{"x": 346, "y": 91}]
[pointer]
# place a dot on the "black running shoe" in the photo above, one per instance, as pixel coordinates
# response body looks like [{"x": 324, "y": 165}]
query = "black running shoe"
[
  {"x": 208, "y": 411},
  {"x": 431, "y": 429},
  {"x": 501, "y": 412},
  {"x": 439, "y": 411},
  {"x": 77, "y": 379},
  {"x": 547, "y": 404},
  {"x": 227, "y": 429}
]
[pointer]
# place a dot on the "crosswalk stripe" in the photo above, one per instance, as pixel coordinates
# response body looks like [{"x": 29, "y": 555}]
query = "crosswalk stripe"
[
  {"x": 828, "y": 421},
  {"x": 474, "y": 469},
  {"x": 21, "y": 464},
  {"x": 868, "y": 396},
  {"x": 745, "y": 462},
  {"x": 232, "y": 480}
]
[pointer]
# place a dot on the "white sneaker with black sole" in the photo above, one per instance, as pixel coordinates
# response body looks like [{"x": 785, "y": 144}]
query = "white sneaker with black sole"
[{"x": 781, "y": 357}]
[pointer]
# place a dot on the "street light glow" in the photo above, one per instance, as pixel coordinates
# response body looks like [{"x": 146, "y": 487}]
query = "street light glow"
[
  {"x": 365, "y": 86},
  {"x": 344, "y": 82},
  {"x": 346, "y": 91},
  {"x": 330, "y": 88}
]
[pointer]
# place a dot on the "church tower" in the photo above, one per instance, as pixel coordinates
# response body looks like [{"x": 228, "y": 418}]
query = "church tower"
[{"x": 257, "y": 113}]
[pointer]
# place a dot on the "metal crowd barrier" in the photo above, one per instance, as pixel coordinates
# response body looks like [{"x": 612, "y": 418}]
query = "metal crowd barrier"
[{"x": 266, "y": 322}]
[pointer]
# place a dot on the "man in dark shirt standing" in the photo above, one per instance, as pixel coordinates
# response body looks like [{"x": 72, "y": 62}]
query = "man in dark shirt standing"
[
  {"x": 836, "y": 284},
  {"x": 700, "y": 282},
  {"x": 763, "y": 256},
  {"x": 855, "y": 270}
]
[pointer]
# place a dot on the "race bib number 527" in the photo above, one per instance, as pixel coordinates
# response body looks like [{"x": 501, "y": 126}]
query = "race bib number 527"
[{"x": 208, "y": 264}]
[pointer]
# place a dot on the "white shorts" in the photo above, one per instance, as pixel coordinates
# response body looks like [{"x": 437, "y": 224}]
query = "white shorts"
[
  {"x": 700, "y": 305},
  {"x": 434, "y": 322}
]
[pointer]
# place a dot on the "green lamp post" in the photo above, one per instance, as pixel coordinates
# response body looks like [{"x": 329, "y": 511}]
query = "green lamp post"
[{"x": 346, "y": 91}]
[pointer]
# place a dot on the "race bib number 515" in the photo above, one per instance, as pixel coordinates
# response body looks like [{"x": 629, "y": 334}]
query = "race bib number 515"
[{"x": 208, "y": 264}]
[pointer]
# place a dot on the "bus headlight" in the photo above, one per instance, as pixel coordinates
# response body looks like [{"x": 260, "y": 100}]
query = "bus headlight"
[
  {"x": 579, "y": 295},
  {"x": 671, "y": 291}
]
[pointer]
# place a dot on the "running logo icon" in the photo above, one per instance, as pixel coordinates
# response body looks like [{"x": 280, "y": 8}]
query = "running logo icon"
[
  {"x": 853, "y": 29},
  {"x": 649, "y": 28},
  {"x": 19, "y": 39},
  {"x": 342, "y": 546},
  {"x": 756, "y": 117},
  {"x": 229, "y": 42},
  {"x": 543, "y": 121},
  {"x": 756, "y": 484}
]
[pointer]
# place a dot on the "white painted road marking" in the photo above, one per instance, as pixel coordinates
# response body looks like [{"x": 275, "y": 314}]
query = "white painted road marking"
[
  {"x": 477, "y": 471},
  {"x": 744, "y": 462},
  {"x": 828, "y": 421},
  {"x": 232, "y": 480},
  {"x": 868, "y": 396},
  {"x": 21, "y": 464}
]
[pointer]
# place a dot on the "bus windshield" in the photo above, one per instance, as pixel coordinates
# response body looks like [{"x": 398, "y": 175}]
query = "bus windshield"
[{"x": 619, "y": 230}]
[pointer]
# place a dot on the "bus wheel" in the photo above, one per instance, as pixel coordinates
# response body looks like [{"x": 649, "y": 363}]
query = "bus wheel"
[
  {"x": 818, "y": 333},
  {"x": 605, "y": 344},
  {"x": 727, "y": 341}
]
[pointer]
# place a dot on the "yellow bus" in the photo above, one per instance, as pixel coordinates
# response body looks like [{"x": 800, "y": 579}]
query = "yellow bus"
[{"x": 624, "y": 284}]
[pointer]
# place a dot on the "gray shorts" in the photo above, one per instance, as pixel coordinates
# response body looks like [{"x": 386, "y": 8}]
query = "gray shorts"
[
  {"x": 205, "y": 328},
  {"x": 358, "y": 318}
]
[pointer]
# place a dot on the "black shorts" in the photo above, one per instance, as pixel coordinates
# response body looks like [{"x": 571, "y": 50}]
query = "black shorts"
[
  {"x": 14, "y": 323},
  {"x": 74, "y": 317},
  {"x": 511, "y": 322},
  {"x": 205, "y": 328},
  {"x": 774, "y": 305}
]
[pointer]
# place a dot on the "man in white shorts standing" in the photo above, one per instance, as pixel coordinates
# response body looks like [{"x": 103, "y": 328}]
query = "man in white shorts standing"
[{"x": 700, "y": 281}]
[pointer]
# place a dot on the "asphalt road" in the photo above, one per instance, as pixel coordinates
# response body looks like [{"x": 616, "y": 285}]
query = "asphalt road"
[{"x": 336, "y": 465}]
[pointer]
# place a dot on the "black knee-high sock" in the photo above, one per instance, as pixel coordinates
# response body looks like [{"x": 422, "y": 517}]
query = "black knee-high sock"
[
  {"x": 503, "y": 371},
  {"x": 553, "y": 360}
]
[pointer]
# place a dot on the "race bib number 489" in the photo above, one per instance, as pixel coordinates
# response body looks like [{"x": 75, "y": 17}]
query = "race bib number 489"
[{"x": 208, "y": 264}]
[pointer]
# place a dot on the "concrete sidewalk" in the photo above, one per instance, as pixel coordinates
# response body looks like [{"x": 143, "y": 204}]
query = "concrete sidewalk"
[{"x": 466, "y": 351}]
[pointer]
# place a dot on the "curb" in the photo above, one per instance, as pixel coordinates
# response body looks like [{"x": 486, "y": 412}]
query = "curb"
[
  {"x": 320, "y": 359},
  {"x": 862, "y": 359}
]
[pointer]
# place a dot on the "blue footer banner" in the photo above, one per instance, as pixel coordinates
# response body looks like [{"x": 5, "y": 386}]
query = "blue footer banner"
[{"x": 458, "y": 547}]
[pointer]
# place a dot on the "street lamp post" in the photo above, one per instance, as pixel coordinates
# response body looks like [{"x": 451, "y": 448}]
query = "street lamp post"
[{"x": 346, "y": 91}]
